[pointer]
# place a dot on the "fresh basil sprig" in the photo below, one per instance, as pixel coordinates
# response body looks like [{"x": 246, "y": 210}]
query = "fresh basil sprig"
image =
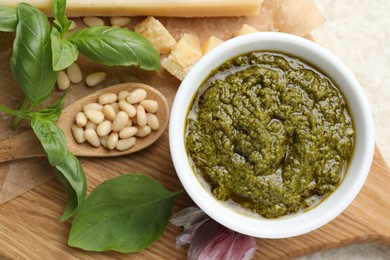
[
  {"x": 68, "y": 167},
  {"x": 116, "y": 46},
  {"x": 8, "y": 19},
  {"x": 31, "y": 61},
  {"x": 127, "y": 213},
  {"x": 64, "y": 52},
  {"x": 124, "y": 214}
]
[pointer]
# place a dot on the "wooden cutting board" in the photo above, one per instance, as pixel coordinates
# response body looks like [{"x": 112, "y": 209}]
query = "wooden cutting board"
[{"x": 29, "y": 226}]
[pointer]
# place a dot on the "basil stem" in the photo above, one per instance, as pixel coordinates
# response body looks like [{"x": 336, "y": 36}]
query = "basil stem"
[
  {"x": 31, "y": 61},
  {"x": 17, "y": 113},
  {"x": 61, "y": 22},
  {"x": 116, "y": 46},
  {"x": 8, "y": 19},
  {"x": 26, "y": 106}
]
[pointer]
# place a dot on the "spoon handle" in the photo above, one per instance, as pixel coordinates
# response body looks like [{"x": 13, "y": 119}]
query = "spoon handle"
[{"x": 23, "y": 145}]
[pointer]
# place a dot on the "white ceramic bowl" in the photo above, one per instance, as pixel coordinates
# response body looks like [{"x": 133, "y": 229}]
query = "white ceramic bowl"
[{"x": 295, "y": 224}]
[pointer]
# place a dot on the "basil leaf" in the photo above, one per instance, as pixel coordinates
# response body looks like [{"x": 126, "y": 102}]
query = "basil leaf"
[
  {"x": 72, "y": 176},
  {"x": 125, "y": 214},
  {"x": 8, "y": 19},
  {"x": 61, "y": 22},
  {"x": 116, "y": 46},
  {"x": 64, "y": 52},
  {"x": 53, "y": 112},
  {"x": 50, "y": 135},
  {"x": 31, "y": 61}
]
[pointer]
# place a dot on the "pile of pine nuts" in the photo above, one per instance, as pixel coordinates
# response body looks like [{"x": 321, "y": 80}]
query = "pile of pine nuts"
[
  {"x": 115, "y": 120},
  {"x": 74, "y": 75}
]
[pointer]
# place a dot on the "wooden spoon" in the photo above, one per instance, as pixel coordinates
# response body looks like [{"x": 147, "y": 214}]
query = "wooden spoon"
[{"x": 26, "y": 144}]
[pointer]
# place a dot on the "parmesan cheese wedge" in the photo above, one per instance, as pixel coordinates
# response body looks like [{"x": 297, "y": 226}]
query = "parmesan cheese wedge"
[
  {"x": 174, "y": 68},
  {"x": 157, "y": 34},
  {"x": 246, "y": 29},
  {"x": 210, "y": 43},
  {"x": 172, "y": 8},
  {"x": 187, "y": 51},
  {"x": 185, "y": 54}
]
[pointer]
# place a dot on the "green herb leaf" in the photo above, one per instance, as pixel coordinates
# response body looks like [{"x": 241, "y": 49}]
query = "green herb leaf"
[
  {"x": 125, "y": 214},
  {"x": 61, "y": 22},
  {"x": 8, "y": 19},
  {"x": 31, "y": 61},
  {"x": 53, "y": 112},
  {"x": 51, "y": 136},
  {"x": 72, "y": 176},
  {"x": 64, "y": 52},
  {"x": 116, "y": 46}
]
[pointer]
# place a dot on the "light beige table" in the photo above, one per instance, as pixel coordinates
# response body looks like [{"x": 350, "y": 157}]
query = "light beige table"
[{"x": 358, "y": 32}]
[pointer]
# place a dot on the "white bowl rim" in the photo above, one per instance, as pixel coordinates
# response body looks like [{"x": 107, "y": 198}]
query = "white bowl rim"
[{"x": 258, "y": 227}]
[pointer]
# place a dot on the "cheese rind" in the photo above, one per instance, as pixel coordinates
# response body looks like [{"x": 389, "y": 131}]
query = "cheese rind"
[{"x": 172, "y": 8}]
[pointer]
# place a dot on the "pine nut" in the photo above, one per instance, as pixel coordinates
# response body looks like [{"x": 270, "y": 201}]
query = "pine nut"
[
  {"x": 152, "y": 121},
  {"x": 104, "y": 128},
  {"x": 130, "y": 123},
  {"x": 92, "y": 138},
  {"x": 103, "y": 140},
  {"x": 124, "y": 144},
  {"x": 74, "y": 73},
  {"x": 127, "y": 108},
  {"x": 81, "y": 119},
  {"x": 95, "y": 79},
  {"x": 107, "y": 98},
  {"x": 78, "y": 134},
  {"x": 115, "y": 106},
  {"x": 136, "y": 96},
  {"x": 120, "y": 21},
  {"x": 150, "y": 106},
  {"x": 141, "y": 116},
  {"x": 95, "y": 116},
  {"x": 123, "y": 95},
  {"x": 73, "y": 25},
  {"x": 144, "y": 131},
  {"x": 128, "y": 132},
  {"x": 112, "y": 140},
  {"x": 93, "y": 21},
  {"x": 109, "y": 112},
  {"x": 63, "y": 81},
  {"x": 120, "y": 121},
  {"x": 93, "y": 106},
  {"x": 90, "y": 125}
]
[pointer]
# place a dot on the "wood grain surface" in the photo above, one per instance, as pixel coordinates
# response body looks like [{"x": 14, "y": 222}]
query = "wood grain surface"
[
  {"x": 26, "y": 145},
  {"x": 29, "y": 224},
  {"x": 30, "y": 228}
]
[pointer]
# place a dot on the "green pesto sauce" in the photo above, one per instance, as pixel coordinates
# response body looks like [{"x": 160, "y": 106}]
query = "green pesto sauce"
[{"x": 270, "y": 133}]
